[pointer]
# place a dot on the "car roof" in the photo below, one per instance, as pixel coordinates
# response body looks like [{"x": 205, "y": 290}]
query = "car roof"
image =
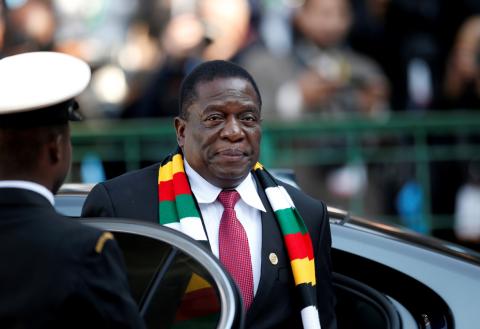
[{"x": 392, "y": 231}]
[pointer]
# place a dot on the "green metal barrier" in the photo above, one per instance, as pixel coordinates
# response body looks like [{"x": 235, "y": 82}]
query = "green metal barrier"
[
  {"x": 129, "y": 141},
  {"x": 416, "y": 139}
]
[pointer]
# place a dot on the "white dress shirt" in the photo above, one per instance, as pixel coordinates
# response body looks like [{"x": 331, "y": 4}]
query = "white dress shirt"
[
  {"x": 247, "y": 209},
  {"x": 26, "y": 185}
]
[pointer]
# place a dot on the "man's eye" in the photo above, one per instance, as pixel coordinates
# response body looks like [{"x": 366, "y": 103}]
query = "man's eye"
[
  {"x": 214, "y": 117},
  {"x": 249, "y": 117}
]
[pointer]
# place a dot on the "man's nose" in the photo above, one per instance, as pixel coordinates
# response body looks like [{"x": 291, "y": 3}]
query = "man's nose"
[{"x": 232, "y": 129}]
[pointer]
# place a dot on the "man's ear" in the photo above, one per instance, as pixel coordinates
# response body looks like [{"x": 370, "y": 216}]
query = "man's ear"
[
  {"x": 55, "y": 149},
  {"x": 180, "y": 130}
]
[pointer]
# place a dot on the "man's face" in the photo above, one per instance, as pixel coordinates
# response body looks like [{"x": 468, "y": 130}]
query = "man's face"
[
  {"x": 326, "y": 22},
  {"x": 220, "y": 137}
]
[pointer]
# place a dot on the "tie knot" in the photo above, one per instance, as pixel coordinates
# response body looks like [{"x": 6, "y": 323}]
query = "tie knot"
[{"x": 228, "y": 198}]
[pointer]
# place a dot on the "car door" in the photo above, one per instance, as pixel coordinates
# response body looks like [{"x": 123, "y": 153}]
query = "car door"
[{"x": 175, "y": 280}]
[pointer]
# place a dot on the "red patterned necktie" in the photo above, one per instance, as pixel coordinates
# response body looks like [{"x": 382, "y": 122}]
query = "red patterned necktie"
[{"x": 233, "y": 247}]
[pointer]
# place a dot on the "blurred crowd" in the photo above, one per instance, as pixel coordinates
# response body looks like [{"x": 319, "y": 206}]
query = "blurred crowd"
[
  {"x": 328, "y": 56},
  {"x": 335, "y": 57}
]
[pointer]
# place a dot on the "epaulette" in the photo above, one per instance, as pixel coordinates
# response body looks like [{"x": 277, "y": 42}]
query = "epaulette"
[{"x": 102, "y": 240}]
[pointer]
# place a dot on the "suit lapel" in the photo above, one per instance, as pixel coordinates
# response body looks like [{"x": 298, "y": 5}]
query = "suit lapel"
[{"x": 272, "y": 243}]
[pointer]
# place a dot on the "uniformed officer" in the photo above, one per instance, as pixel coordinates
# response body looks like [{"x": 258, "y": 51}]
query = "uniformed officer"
[{"x": 54, "y": 272}]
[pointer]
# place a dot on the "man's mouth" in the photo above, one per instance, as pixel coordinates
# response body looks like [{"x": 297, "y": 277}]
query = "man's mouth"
[{"x": 232, "y": 153}]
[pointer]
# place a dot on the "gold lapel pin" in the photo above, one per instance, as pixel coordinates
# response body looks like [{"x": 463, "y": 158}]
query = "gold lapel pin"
[{"x": 273, "y": 258}]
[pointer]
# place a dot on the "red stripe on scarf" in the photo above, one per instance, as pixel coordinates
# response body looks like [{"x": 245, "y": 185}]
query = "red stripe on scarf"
[
  {"x": 165, "y": 191},
  {"x": 180, "y": 184},
  {"x": 299, "y": 246},
  {"x": 308, "y": 243}
]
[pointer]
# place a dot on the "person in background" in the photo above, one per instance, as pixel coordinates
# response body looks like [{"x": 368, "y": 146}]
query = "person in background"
[
  {"x": 194, "y": 32},
  {"x": 462, "y": 78},
  {"x": 273, "y": 239},
  {"x": 413, "y": 55},
  {"x": 55, "y": 272},
  {"x": 29, "y": 26},
  {"x": 320, "y": 73}
]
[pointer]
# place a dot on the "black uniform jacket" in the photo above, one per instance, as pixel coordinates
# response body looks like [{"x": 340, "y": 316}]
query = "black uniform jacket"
[
  {"x": 56, "y": 272},
  {"x": 135, "y": 195}
]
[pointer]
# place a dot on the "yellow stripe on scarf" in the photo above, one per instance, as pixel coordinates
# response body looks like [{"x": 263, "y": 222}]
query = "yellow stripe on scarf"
[
  {"x": 258, "y": 165},
  {"x": 171, "y": 168},
  {"x": 303, "y": 271}
]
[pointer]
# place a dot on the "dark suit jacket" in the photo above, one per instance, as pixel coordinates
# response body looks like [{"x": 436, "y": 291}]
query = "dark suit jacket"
[
  {"x": 52, "y": 276},
  {"x": 135, "y": 195}
]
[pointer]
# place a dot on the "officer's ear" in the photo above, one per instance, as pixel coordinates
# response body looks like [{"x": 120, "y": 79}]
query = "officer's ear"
[
  {"x": 56, "y": 145},
  {"x": 54, "y": 150}
]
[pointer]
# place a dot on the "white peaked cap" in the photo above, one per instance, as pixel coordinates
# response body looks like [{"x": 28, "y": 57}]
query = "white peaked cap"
[{"x": 38, "y": 80}]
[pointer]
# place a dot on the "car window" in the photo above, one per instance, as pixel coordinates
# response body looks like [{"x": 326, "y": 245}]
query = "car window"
[
  {"x": 172, "y": 289},
  {"x": 415, "y": 299},
  {"x": 361, "y": 306}
]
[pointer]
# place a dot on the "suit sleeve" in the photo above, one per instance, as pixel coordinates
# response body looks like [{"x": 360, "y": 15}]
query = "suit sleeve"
[
  {"x": 104, "y": 286},
  {"x": 325, "y": 294},
  {"x": 98, "y": 203}
]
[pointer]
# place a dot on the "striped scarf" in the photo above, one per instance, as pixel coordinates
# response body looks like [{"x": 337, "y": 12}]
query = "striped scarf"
[{"x": 178, "y": 210}]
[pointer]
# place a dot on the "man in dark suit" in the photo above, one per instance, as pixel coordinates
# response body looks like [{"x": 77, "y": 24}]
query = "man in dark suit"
[
  {"x": 54, "y": 272},
  {"x": 218, "y": 132}
]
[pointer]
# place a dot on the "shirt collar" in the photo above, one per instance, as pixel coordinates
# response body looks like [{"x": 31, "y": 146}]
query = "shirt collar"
[
  {"x": 26, "y": 185},
  {"x": 205, "y": 192}
]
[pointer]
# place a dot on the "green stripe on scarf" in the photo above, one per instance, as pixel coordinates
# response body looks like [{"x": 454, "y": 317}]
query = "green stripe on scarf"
[
  {"x": 168, "y": 212},
  {"x": 171, "y": 213},
  {"x": 188, "y": 208},
  {"x": 288, "y": 222}
]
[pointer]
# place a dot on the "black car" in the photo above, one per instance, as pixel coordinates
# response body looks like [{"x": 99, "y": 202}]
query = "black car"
[{"x": 384, "y": 276}]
